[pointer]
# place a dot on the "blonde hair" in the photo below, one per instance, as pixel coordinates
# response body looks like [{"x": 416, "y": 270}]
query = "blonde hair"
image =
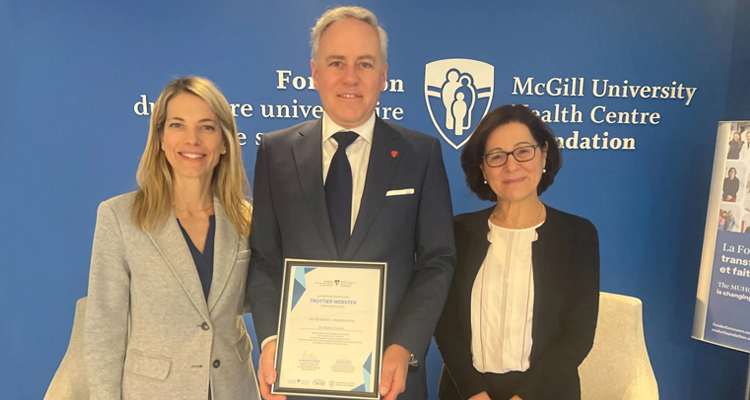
[
  {"x": 153, "y": 201},
  {"x": 340, "y": 13}
]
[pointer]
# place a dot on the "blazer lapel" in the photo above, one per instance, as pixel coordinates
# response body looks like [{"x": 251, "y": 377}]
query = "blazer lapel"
[
  {"x": 380, "y": 170},
  {"x": 308, "y": 157},
  {"x": 543, "y": 291},
  {"x": 171, "y": 244},
  {"x": 479, "y": 244},
  {"x": 226, "y": 244}
]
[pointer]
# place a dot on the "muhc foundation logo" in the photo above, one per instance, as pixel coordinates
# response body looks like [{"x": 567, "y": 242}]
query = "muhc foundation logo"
[{"x": 458, "y": 92}]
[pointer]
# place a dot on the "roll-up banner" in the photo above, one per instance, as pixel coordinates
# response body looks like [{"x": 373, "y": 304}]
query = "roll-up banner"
[{"x": 722, "y": 310}]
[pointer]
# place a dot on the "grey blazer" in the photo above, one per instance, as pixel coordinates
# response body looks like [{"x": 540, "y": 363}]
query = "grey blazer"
[{"x": 149, "y": 332}]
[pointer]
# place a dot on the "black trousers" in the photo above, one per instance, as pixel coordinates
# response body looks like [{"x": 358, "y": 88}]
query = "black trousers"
[{"x": 501, "y": 386}]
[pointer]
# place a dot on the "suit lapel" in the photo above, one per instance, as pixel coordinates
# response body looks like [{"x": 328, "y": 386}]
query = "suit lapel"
[
  {"x": 308, "y": 157},
  {"x": 226, "y": 243},
  {"x": 380, "y": 170},
  {"x": 171, "y": 244}
]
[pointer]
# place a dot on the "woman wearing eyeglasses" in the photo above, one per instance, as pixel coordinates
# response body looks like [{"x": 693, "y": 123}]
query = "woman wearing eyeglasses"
[{"x": 522, "y": 307}]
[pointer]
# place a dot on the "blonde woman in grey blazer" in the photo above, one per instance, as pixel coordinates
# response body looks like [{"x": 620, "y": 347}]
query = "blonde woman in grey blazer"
[{"x": 169, "y": 262}]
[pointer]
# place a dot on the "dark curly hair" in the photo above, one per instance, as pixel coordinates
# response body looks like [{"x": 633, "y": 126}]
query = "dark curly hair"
[{"x": 473, "y": 153}]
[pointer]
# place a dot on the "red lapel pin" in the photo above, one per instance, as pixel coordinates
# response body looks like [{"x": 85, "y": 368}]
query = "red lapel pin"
[{"x": 394, "y": 153}]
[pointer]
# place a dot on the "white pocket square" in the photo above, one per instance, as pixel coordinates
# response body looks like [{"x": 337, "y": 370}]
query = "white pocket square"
[{"x": 399, "y": 192}]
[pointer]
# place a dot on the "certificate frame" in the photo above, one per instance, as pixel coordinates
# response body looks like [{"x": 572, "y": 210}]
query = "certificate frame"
[{"x": 330, "y": 380}]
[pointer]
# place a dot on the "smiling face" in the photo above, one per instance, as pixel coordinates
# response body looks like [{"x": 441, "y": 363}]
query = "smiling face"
[
  {"x": 732, "y": 173},
  {"x": 192, "y": 139},
  {"x": 736, "y": 137},
  {"x": 515, "y": 181},
  {"x": 349, "y": 71}
]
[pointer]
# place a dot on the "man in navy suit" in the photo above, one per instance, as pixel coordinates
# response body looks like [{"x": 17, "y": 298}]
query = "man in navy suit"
[{"x": 350, "y": 186}]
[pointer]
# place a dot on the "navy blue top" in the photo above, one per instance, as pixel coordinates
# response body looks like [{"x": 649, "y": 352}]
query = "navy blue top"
[{"x": 204, "y": 262}]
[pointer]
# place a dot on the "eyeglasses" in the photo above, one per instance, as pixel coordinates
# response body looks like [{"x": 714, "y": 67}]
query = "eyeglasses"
[{"x": 499, "y": 158}]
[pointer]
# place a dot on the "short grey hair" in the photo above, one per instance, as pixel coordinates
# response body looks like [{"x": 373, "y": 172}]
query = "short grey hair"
[{"x": 340, "y": 13}]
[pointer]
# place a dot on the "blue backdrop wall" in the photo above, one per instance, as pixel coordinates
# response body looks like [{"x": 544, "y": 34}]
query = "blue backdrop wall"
[{"x": 80, "y": 74}]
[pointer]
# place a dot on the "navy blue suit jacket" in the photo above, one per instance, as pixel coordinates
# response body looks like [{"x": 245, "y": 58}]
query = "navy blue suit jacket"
[{"x": 412, "y": 233}]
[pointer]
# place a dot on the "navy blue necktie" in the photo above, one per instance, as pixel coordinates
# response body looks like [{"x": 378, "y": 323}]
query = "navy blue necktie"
[{"x": 339, "y": 192}]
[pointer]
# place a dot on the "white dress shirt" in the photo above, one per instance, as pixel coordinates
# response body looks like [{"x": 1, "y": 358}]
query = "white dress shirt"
[
  {"x": 502, "y": 302},
  {"x": 358, "y": 153}
]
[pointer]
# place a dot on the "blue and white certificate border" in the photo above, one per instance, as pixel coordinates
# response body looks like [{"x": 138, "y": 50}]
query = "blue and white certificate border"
[{"x": 293, "y": 288}]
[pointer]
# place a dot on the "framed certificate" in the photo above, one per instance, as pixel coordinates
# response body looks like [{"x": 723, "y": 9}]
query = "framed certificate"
[{"x": 330, "y": 337}]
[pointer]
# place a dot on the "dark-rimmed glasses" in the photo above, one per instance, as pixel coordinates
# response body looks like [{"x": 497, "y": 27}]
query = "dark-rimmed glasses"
[{"x": 498, "y": 158}]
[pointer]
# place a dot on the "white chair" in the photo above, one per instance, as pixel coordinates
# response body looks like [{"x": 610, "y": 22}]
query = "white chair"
[
  {"x": 618, "y": 366},
  {"x": 70, "y": 381}
]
